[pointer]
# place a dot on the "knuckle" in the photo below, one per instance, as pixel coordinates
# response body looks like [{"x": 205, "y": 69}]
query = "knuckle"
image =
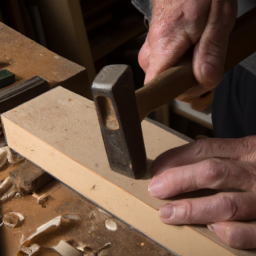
[
  {"x": 229, "y": 207},
  {"x": 143, "y": 56},
  {"x": 142, "y": 60},
  {"x": 185, "y": 212},
  {"x": 213, "y": 172},
  {"x": 171, "y": 45},
  {"x": 246, "y": 150},
  {"x": 167, "y": 38},
  {"x": 222, "y": 147},
  {"x": 201, "y": 146}
]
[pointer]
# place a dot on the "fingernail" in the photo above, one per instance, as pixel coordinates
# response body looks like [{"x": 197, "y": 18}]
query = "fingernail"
[
  {"x": 211, "y": 227},
  {"x": 166, "y": 212},
  {"x": 156, "y": 187}
]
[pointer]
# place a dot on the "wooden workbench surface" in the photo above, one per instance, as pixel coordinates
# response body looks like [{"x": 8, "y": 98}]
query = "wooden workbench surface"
[
  {"x": 91, "y": 229},
  {"x": 26, "y": 59}
]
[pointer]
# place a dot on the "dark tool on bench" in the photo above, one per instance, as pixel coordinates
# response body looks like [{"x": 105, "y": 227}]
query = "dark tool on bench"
[
  {"x": 17, "y": 94},
  {"x": 6, "y": 78},
  {"x": 120, "y": 109}
]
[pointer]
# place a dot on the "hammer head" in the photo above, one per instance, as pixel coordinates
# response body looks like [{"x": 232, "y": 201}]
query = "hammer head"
[{"x": 116, "y": 106}]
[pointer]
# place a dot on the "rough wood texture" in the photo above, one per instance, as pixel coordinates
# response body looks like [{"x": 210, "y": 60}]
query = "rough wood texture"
[
  {"x": 61, "y": 135},
  {"x": 90, "y": 231},
  {"x": 26, "y": 59},
  {"x": 28, "y": 177}
]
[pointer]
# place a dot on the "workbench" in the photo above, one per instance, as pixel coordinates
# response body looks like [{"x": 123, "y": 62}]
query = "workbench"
[
  {"x": 57, "y": 145},
  {"x": 25, "y": 59},
  {"x": 90, "y": 231}
]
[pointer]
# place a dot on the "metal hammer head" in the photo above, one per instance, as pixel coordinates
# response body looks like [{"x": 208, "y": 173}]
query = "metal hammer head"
[{"x": 116, "y": 106}]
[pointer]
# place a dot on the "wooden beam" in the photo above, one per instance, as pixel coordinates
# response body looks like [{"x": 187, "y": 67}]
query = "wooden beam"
[{"x": 59, "y": 132}]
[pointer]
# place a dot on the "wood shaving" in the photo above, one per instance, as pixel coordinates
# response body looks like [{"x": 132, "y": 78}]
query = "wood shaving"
[{"x": 111, "y": 224}]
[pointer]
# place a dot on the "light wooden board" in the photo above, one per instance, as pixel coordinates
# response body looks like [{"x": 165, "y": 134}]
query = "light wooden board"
[{"x": 59, "y": 132}]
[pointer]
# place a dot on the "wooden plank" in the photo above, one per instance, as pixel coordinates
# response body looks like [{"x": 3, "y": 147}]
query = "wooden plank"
[
  {"x": 59, "y": 132},
  {"x": 91, "y": 231}
]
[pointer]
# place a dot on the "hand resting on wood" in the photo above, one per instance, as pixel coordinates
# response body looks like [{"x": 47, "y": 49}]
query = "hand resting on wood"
[{"x": 215, "y": 164}]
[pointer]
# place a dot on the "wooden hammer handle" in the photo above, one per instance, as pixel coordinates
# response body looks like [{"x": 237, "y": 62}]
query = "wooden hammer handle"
[{"x": 176, "y": 80}]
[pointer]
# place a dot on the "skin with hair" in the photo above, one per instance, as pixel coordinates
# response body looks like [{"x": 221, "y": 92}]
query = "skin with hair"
[
  {"x": 176, "y": 26},
  {"x": 215, "y": 164}
]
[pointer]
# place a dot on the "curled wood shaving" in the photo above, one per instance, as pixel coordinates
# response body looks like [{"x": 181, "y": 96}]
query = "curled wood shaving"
[
  {"x": 65, "y": 249},
  {"x": 111, "y": 224},
  {"x": 29, "y": 251},
  {"x": 13, "y": 219},
  {"x": 12, "y": 156},
  {"x": 11, "y": 193},
  {"x": 5, "y": 185},
  {"x": 52, "y": 224},
  {"x": 3, "y": 157}
]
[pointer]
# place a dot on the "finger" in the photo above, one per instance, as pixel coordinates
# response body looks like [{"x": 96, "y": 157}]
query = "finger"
[
  {"x": 210, "y": 52},
  {"x": 216, "y": 208},
  {"x": 143, "y": 56},
  {"x": 165, "y": 52},
  {"x": 212, "y": 173},
  {"x": 239, "y": 235},
  {"x": 236, "y": 149}
]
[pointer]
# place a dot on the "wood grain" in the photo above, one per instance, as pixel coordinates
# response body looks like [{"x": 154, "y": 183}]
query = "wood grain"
[
  {"x": 59, "y": 132},
  {"x": 26, "y": 59}
]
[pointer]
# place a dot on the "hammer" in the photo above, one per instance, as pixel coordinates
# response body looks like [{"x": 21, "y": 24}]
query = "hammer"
[{"x": 120, "y": 109}]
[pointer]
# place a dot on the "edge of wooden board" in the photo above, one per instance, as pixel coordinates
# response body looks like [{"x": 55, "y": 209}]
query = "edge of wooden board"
[{"x": 183, "y": 240}]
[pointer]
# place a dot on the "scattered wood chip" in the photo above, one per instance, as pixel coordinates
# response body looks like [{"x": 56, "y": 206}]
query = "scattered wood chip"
[
  {"x": 29, "y": 251},
  {"x": 13, "y": 219},
  {"x": 89, "y": 251},
  {"x": 5, "y": 185},
  {"x": 65, "y": 249},
  {"x": 105, "y": 246},
  {"x": 111, "y": 224},
  {"x": 10, "y": 194},
  {"x": 50, "y": 225},
  {"x": 44, "y": 192},
  {"x": 3, "y": 157},
  {"x": 12, "y": 156}
]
